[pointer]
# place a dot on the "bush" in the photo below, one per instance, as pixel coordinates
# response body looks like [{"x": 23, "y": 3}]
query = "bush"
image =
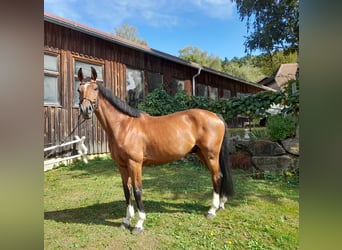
[
  {"x": 280, "y": 127},
  {"x": 159, "y": 102},
  {"x": 254, "y": 106}
]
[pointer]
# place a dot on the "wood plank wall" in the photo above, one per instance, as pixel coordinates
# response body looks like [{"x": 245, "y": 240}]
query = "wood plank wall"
[{"x": 70, "y": 45}]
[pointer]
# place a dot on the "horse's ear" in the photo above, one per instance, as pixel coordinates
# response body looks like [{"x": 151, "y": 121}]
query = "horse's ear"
[
  {"x": 80, "y": 75},
  {"x": 93, "y": 74}
]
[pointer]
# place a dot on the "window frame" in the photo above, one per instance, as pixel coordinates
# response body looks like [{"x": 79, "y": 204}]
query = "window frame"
[
  {"x": 213, "y": 92},
  {"x": 142, "y": 74},
  {"x": 205, "y": 89},
  {"x": 57, "y": 75},
  {"x": 229, "y": 93}
]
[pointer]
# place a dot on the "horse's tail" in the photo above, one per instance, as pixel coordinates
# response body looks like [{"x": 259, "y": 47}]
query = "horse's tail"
[{"x": 227, "y": 181}]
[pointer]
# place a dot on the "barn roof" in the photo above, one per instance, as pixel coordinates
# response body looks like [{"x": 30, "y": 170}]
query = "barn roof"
[{"x": 136, "y": 46}]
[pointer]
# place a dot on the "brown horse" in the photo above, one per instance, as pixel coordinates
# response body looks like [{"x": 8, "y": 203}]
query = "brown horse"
[{"x": 136, "y": 139}]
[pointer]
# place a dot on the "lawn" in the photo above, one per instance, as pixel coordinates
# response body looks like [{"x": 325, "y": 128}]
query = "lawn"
[{"x": 84, "y": 206}]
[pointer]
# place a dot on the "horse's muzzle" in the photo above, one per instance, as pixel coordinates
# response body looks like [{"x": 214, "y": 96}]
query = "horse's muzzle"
[{"x": 86, "y": 111}]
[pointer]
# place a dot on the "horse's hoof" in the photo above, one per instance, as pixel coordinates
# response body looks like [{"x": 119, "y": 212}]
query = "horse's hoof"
[
  {"x": 137, "y": 230},
  {"x": 124, "y": 226},
  {"x": 210, "y": 216}
]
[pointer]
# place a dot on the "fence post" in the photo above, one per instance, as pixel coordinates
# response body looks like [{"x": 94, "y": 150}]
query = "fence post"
[{"x": 82, "y": 149}]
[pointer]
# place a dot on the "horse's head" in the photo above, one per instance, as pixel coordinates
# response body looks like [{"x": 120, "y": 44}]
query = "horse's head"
[{"x": 88, "y": 91}]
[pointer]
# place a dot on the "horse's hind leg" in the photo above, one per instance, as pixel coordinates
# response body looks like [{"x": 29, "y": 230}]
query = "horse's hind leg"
[
  {"x": 211, "y": 161},
  {"x": 216, "y": 203}
]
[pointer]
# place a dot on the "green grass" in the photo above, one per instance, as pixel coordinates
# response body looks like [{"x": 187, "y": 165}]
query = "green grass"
[{"x": 84, "y": 206}]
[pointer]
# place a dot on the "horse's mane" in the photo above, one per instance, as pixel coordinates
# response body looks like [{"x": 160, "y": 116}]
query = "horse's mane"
[{"x": 118, "y": 103}]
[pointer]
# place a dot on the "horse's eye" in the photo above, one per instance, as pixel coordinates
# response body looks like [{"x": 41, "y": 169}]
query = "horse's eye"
[{"x": 95, "y": 88}]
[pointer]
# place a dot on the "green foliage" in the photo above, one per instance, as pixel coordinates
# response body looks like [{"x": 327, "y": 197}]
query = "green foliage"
[
  {"x": 271, "y": 26},
  {"x": 280, "y": 127},
  {"x": 268, "y": 63},
  {"x": 159, "y": 102},
  {"x": 259, "y": 133},
  {"x": 244, "y": 68},
  {"x": 194, "y": 54},
  {"x": 255, "y": 68},
  {"x": 250, "y": 68},
  {"x": 129, "y": 32}
]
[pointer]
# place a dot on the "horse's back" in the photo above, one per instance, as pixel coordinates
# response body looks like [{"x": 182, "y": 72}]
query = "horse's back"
[{"x": 191, "y": 120}]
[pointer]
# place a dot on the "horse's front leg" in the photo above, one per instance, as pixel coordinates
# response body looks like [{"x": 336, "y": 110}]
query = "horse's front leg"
[
  {"x": 136, "y": 173},
  {"x": 127, "y": 188}
]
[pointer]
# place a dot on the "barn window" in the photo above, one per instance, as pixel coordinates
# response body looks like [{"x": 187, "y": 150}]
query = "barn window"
[
  {"x": 154, "y": 80},
  {"x": 87, "y": 74},
  {"x": 134, "y": 87},
  {"x": 226, "y": 93},
  {"x": 239, "y": 95},
  {"x": 175, "y": 86},
  {"x": 51, "y": 79},
  {"x": 213, "y": 93},
  {"x": 201, "y": 89}
]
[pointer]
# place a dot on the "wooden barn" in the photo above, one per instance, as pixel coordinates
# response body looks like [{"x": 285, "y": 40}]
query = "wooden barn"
[{"x": 131, "y": 70}]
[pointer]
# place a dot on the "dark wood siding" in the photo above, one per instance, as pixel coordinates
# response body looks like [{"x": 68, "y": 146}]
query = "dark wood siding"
[{"x": 74, "y": 45}]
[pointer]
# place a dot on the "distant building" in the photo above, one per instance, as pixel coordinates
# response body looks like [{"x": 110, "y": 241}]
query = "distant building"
[{"x": 278, "y": 80}]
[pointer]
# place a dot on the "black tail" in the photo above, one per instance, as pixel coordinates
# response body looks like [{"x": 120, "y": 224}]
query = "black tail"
[{"x": 227, "y": 181}]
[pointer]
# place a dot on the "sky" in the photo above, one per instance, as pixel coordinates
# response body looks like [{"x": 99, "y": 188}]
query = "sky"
[{"x": 213, "y": 26}]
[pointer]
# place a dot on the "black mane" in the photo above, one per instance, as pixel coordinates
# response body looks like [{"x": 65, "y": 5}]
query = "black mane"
[{"x": 118, "y": 103}]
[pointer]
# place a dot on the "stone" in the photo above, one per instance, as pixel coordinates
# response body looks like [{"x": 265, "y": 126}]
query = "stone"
[
  {"x": 291, "y": 145},
  {"x": 262, "y": 147},
  {"x": 276, "y": 164},
  {"x": 242, "y": 160}
]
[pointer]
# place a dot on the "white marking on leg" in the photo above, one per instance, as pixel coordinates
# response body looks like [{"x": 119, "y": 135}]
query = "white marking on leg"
[
  {"x": 142, "y": 218},
  {"x": 129, "y": 215},
  {"x": 215, "y": 203},
  {"x": 223, "y": 200}
]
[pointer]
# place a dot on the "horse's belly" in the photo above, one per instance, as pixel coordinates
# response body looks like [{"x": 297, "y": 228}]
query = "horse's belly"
[{"x": 162, "y": 155}]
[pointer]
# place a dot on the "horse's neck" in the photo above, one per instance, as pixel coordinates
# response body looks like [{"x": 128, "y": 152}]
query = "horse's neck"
[{"x": 109, "y": 116}]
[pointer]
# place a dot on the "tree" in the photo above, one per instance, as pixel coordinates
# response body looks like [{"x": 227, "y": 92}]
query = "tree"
[
  {"x": 129, "y": 32},
  {"x": 243, "y": 68},
  {"x": 275, "y": 24},
  {"x": 194, "y": 54},
  {"x": 270, "y": 63}
]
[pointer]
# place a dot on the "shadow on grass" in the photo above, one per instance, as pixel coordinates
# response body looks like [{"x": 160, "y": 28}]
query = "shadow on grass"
[
  {"x": 97, "y": 166},
  {"x": 104, "y": 213},
  {"x": 180, "y": 180}
]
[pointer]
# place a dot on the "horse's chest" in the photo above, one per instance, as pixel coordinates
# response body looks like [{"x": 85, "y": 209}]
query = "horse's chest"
[{"x": 125, "y": 151}]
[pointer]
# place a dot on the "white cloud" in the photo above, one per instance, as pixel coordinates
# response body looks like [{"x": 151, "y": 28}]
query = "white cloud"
[
  {"x": 165, "y": 13},
  {"x": 221, "y": 9}
]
